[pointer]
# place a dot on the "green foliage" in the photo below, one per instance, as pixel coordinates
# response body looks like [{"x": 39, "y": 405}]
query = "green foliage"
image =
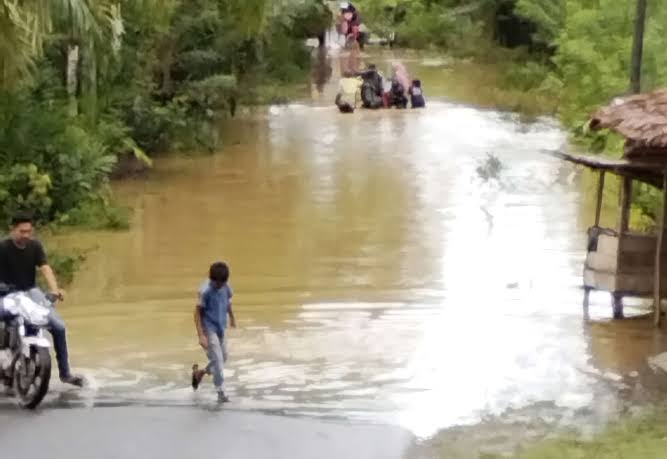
[
  {"x": 96, "y": 213},
  {"x": 427, "y": 27},
  {"x": 49, "y": 163},
  {"x": 212, "y": 93},
  {"x": 593, "y": 70},
  {"x": 24, "y": 186},
  {"x": 65, "y": 264},
  {"x": 637, "y": 439},
  {"x": 150, "y": 76},
  {"x": 591, "y": 65},
  {"x": 527, "y": 77},
  {"x": 590, "y": 59},
  {"x": 286, "y": 59},
  {"x": 309, "y": 18},
  {"x": 454, "y": 25},
  {"x": 548, "y": 16}
]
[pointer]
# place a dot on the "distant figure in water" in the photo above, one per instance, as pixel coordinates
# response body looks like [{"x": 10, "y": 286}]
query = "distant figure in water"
[
  {"x": 349, "y": 92},
  {"x": 397, "y": 95},
  {"x": 371, "y": 88},
  {"x": 322, "y": 70},
  {"x": 349, "y": 25},
  {"x": 417, "y": 95},
  {"x": 400, "y": 82}
]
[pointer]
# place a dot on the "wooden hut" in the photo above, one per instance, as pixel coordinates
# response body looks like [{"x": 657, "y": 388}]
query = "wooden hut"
[{"x": 619, "y": 260}]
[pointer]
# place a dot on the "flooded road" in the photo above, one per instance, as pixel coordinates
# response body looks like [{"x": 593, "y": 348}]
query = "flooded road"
[{"x": 378, "y": 275}]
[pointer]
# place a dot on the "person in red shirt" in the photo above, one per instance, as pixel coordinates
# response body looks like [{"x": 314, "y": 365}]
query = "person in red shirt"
[{"x": 350, "y": 23}]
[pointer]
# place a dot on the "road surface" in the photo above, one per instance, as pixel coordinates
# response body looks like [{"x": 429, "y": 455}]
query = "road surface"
[{"x": 190, "y": 433}]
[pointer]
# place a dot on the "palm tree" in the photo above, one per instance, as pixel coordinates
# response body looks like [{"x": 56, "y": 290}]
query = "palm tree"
[
  {"x": 162, "y": 13},
  {"x": 93, "y": 29},
  {"x": 87, "y": 29},
  {"x": 24, "y": 25},
  {"x": 638, "y": 47},
  {"x": 21, "y": 32},
  {"x": 251, "y": 15}
]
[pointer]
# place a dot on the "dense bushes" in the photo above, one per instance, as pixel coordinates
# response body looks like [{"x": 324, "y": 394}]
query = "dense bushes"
[
  {"x": 110, "y": 79},
  {"x": 49, "y": 163}
]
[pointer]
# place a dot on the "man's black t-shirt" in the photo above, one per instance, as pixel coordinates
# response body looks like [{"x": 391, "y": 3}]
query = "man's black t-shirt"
[{"x": 17, "y": 265}]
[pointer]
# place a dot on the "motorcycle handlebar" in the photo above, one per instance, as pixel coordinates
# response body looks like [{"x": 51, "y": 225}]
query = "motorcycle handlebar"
[
  {"x": 6, "y": 289},
  {"x": 53, "y": 297}
]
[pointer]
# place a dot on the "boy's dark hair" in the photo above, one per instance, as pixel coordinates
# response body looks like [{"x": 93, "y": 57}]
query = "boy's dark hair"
[
  {"x": 21, "y": 217},
  {"x": 417, "y": 83},
  {"x": 219, "y": 272}
]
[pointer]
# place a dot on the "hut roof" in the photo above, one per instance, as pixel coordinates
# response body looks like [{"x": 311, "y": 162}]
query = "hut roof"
[
  {"x": 647, "y": 172},
  {"x": 641, "y": 119}
]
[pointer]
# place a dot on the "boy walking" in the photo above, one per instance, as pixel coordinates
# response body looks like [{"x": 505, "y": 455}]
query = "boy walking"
[{"x": 215, "y": 303}]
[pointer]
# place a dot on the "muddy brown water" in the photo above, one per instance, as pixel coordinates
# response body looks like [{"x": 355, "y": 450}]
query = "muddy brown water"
[{"x": 377, "y": 275}]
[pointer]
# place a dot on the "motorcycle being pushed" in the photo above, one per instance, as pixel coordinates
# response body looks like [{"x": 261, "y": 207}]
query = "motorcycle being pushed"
[{"x": 25, "y": 357}]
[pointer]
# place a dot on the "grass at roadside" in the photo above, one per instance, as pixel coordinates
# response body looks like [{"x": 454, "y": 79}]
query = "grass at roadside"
[
  {"x": 644, "y": 438},
  {"x": 638, "y": 437}
]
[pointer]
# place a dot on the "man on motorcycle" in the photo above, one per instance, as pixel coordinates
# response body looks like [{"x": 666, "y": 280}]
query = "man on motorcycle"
[{"x": 20, "y": 256}]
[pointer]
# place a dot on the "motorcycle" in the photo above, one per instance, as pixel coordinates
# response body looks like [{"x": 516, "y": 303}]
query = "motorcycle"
[{"x": 25, "y": 356}]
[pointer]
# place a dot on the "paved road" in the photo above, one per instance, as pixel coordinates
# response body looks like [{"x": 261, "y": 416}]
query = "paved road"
[{"x": 190, "y": 433}]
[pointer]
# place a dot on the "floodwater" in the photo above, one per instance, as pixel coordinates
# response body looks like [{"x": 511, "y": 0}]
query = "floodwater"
[{"x": 378, "y": 276}]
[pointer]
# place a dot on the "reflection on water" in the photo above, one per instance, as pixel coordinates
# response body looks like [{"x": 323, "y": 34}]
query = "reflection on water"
[
  {"x": 322, "y": 71},
  {"x": 376, "y": 275}
]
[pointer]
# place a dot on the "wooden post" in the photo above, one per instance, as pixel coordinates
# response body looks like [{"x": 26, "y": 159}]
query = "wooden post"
[
  {"x": 626, "y": 202},
  {"x": 617, "y": 305},
  {"x": 623, "y": 225},
  {"x": 658, "y": 253},
  {"x": 598, "y": 208},
  {"x": 638, "y": 47},
  {"x": 598, "y": 213}
]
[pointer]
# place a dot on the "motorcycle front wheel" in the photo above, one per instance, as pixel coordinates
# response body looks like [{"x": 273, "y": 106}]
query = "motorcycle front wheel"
[{"x": 32, "y": 376}]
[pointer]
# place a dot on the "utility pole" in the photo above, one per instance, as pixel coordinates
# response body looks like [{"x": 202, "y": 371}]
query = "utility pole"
[{"x": 638, "y": 47}]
